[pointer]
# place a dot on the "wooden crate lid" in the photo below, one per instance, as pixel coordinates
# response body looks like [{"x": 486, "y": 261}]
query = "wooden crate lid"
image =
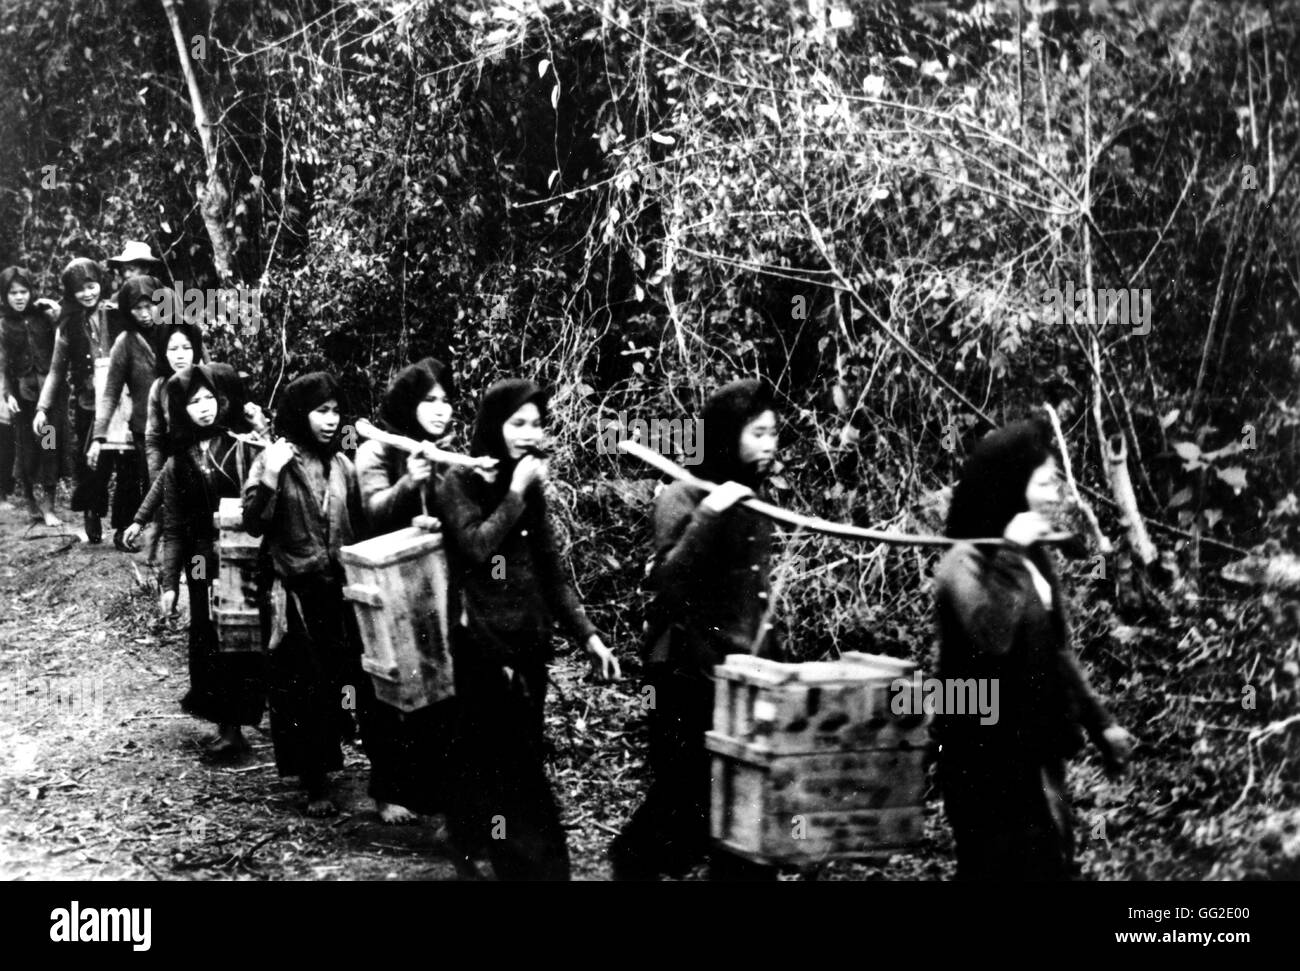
[
  {"x": 390, "y": 548},
  {"x": 852, "y": 667}
]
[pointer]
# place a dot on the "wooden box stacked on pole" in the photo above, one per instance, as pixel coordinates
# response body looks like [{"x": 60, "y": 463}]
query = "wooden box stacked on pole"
[
  {"x": 398, "y": 586},
  {"x": 234, "y": 594},
  {"x": 811, "y": 763}
]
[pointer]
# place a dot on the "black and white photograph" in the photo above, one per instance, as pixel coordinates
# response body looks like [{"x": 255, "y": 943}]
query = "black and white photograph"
[{"x": 651, "y": 441}]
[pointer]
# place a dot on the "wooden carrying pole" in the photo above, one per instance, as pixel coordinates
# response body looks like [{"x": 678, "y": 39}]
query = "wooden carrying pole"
[
  {"x": 366, "y": 430},
  {"x": 814, "y": 523}
]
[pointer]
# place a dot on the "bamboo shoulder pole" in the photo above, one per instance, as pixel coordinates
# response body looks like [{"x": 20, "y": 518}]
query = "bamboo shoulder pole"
[{"x": 813, "y": 523}]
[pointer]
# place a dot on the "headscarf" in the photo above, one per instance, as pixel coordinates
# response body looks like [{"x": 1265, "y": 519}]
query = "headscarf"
[
  {"x": 412, "y": 383},
  {"x": 134, "y": 291},
  {"x": 180, "y": 387},
  {"x": 993, "y": 482},
  {"x": 727, "y": 412},
  {"x": 303, "y": 396},
  {"x": 163, "y": 335},
  {"x": 501, "y": 401}
]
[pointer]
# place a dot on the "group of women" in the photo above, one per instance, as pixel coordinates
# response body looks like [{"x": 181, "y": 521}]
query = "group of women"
[{"x": 479, "y": 758}]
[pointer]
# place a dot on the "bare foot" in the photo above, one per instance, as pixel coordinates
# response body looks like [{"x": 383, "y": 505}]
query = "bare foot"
[{"x": 395, "y": 815}]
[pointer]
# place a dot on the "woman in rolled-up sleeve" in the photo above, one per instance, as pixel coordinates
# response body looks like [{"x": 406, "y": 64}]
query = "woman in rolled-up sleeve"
[{"x": 1002, "y": 617}]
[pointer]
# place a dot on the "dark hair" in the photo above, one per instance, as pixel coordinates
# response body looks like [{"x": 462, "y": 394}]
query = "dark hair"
[
  {"x": 77, "y": 274},
  {"x": 179, "y": 389},
  {"x": 994, "y": 478},
  {"x": 303, "y": 396},
  {"x": 8, "y": 277},
  {"x": 727, "y": 412},
  {"x": 499, "y": 402},
  {"x": 135, "y": 291},
  {"x": 162, "y": 367},
  {"x": 408, "y": 388}
]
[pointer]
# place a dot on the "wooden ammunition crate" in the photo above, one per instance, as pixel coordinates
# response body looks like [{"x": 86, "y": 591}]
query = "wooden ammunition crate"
[
  {"x": 803, "y": 809},
  {"x": 234, "y": 592},
  {"x": 398, "y": 586},
  {"x": 828, "y": 706}
]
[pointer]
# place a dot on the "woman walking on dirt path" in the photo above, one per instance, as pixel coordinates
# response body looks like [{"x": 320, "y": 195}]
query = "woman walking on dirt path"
[
  {"x": 301, "y": 494},
  {"x": 28, "y": 327},
  {"x": 709, "y": 579},
  {"x": 508, "y": 582},
  {"x": 1002, "y": 615},
  {"x": 207, "y": 465},
  {"x": 86, "y": 331},
  {"x": 408, "y": 752},
  {"x": 177, "y": 346},
  {"x": 131, "y": 366}
]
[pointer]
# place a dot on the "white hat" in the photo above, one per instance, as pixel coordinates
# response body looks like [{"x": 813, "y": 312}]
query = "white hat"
[{"x": 134, "y": 252}]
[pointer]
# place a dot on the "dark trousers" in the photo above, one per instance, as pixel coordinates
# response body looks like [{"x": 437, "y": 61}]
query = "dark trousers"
[
  {"x": 225, "y": 688},
  {"x": 37, "y": 465},
  {"x": 8, "y": 455},
  {"x": 669, "y": 833},
  {"x": 309, "y": 675},
  {"x": 89, "y": 486},
  {"x": 502, "y": 801},
  {"x": 132, "y": 482},
  {"x": 408, "y": 751},
  {"x": 1010, "y": 817}
]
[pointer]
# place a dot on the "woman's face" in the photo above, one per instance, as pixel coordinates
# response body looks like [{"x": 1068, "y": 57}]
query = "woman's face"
[
  {"x": 202, "y": 407},
  {"x": 523, "y": 430},
  {"x": 88, "y": 295},
  {"x": 1043, "y": 493},
  {"x": 18, "y": 296},
  {"x": 434, "y": 413},
  {"x": 758, "y": 441},
  {"x": 142, "y": 313},
  {"x": 180, "y": 352},
  {"x": 324, "y": 420}
]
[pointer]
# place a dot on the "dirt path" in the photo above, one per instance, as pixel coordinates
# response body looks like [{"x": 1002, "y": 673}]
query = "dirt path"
[{"x": 102, "y": 777}]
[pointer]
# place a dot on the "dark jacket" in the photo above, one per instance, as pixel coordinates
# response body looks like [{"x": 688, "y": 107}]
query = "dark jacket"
[
  {"x": 302, "y": 536},
  {"x": 130, "y": 365},
  {"x": 709, "y": 572},
  {"x": 993, "y": 624},
  {"x": 131, "y": 362},
  {"x": 506, "y": 568},
  {"x": 194, "y": 482},
  {"x": 155, "y": 427},
  {"x": 26, "y": 341},
  {"x": 83, "y": 336},
  {"x": 709, "y": 581}
]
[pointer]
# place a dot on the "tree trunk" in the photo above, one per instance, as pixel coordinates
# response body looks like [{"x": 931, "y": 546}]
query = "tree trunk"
[{"x": 213, "y": 196}]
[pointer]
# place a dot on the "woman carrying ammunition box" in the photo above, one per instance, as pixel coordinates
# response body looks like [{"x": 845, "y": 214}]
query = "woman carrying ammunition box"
[{"x": 408, "y": 752}]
